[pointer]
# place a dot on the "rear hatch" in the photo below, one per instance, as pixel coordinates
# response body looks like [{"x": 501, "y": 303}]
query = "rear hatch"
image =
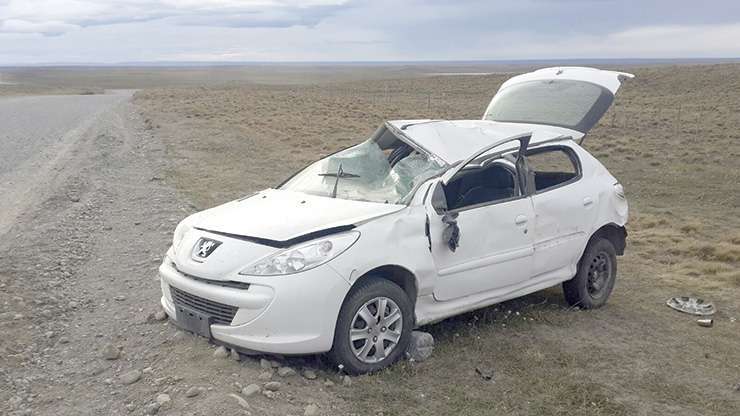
[{"x": 574, "y": 98}]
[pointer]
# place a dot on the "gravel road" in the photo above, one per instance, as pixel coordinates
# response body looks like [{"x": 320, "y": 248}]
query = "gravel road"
[
  {"x": 85, "y": 217},
  {"x": 38, "y": 131}
]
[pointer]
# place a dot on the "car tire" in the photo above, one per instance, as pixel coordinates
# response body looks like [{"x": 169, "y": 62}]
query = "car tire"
[
  {"x": 356, "y": 342},
  {"x": 594, "y": 280}
]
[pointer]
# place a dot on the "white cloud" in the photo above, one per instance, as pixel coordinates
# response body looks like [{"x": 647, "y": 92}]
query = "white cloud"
[
  {"x": 49, "y": 28},
  {"x": 661, "y": 41},
  {"x": 53, "y": 17}
]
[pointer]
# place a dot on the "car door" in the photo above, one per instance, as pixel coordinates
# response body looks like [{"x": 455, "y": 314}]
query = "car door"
[
  {"x": 564, "y": 206},
  {"x": 574, "y": 98},
  {"x": 495, "y": 248}
]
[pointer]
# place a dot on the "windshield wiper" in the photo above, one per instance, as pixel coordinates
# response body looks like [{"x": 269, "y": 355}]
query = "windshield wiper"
[{"x": 340, "y": 174}]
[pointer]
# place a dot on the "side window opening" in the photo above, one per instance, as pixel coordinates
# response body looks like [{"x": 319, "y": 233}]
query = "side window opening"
[
  {"x": 552, "y": 167},
  {"x": 483, "y": 184}
]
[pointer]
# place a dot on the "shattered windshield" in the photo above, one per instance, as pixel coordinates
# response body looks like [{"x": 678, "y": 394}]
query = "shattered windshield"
[{"x": 382, "y": 169}]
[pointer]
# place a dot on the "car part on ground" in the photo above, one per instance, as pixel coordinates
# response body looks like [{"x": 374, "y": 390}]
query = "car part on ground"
[
  {"x": 690, "y": 305},
  {"x": 705, "y": 322}
]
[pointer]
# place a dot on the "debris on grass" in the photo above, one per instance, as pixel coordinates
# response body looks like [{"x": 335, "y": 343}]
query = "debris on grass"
[
  {"x": 484, "y": 373},
  {"x": 693, "y": 306},
  {"x": 705, "y": 322}
]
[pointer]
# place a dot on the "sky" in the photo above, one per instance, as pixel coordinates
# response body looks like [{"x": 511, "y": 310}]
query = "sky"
[{"x": 121, "y": 31}]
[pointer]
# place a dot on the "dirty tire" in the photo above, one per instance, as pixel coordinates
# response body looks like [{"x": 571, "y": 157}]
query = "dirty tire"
[
  {"x": 342, "y": 352},
  {"x": 595, "y": 277}
]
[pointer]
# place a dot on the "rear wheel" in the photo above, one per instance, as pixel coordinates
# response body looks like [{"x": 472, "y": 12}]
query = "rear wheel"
[
  {"x": 594, "y": 280},
  {"x": 373, "y": 327}
]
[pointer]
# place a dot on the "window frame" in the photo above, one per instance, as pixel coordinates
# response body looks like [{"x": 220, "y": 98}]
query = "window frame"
[
  {"x": 574, "y": 159},
  {"x": 523, "y": 193}
]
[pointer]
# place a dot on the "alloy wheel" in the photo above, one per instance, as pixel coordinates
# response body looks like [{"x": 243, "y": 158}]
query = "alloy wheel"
[{"x": 376, "y": 329}]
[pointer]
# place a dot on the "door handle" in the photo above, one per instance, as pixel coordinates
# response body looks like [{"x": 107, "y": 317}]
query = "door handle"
[
  {"x": 520, "y": 219},
  {"x": 588, "y": 201}
]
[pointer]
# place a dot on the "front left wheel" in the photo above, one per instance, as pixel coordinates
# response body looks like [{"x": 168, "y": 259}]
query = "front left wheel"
[{"x": 373, "y": 327}]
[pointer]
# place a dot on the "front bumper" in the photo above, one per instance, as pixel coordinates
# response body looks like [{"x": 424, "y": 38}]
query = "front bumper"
[{"x": 293, "y": 314}]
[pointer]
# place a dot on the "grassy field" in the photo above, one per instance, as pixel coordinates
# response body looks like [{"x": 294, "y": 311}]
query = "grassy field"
[{"x": 673, "y": 140}]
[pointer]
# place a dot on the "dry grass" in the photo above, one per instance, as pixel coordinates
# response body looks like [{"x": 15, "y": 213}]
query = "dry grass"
[{"x": 672, "y": 140}]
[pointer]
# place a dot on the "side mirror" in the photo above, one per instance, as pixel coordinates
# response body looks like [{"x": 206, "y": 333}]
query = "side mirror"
[
  {"x": 439, "y": 200},
  {"x": 451, "y": 233}
]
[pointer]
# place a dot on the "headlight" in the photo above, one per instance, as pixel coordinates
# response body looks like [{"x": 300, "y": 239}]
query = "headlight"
[
  {"x": 303, "y": 257},
  {"x": 182, "y": 228}
]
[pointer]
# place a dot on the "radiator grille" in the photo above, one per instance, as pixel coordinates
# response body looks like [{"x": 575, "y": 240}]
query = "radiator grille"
[{"x": 220, "y": 313}]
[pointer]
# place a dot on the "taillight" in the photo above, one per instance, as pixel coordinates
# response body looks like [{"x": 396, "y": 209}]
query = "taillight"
[{"x": 619, "y": 190}]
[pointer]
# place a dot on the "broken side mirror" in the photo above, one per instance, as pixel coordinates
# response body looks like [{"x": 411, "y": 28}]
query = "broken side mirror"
[
  {"x": 439, "y": 200},
  {"x": 451, "y": 233}
]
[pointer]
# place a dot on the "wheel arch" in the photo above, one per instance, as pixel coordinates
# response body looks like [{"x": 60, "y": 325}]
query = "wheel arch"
[
  {"x": 615, "y": 233},
  {"x": 399, "y": 275}
]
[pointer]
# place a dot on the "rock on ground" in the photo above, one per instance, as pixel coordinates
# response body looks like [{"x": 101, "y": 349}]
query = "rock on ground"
[
  {"x": 221, "y": 352},
  {"x": 286, "y": 372},
  {"x": 159, "y": 315},
  {"x": 311, "y": 410},
  {"x": 152, "y": 408},
  {"x": 309, "y": 374},
  {"x": 111, "y": 352},
  {"x": 265, "y": 375},
  {"x": 240, "y": 401},
  {"x": 421, "y": 346},
  {"x": 163, "y": 399},
  {"x": 251, "y": 390},
  {"x": 130, "y": 377},
  {"x": 273, "y": 386},
  {"x": 192, "y": 392}
]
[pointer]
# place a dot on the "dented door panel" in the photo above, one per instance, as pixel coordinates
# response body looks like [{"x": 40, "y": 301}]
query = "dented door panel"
[{"x": 494, "y": 249}]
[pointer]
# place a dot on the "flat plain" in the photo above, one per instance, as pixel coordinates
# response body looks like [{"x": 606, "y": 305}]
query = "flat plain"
[{"x": 200, "y": 138}]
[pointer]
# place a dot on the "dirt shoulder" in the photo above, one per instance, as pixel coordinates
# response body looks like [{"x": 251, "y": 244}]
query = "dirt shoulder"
[{"x": 78, "y": 284}]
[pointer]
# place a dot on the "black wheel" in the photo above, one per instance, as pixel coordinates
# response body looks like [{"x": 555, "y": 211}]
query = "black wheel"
[
  {"x": 595, "y": 277},
  {"x": 373, "y": 327}
]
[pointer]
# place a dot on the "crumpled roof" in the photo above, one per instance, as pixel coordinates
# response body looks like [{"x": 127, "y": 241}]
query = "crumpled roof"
[{"x": 455, "y": 140}]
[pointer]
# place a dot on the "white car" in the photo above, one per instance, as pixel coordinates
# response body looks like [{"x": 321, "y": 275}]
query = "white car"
[{"x": 425, "y": 220}]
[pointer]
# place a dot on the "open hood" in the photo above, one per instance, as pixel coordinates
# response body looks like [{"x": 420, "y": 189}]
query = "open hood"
[
  {"x": 574, "y": 98},
  {"x": 280, "y": 217}
]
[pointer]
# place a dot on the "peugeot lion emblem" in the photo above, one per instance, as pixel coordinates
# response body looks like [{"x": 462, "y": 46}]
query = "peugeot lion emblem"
[{"x": 203, "y": 248}]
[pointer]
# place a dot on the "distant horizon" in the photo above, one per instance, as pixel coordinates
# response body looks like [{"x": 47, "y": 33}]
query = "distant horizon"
[{"x": 186, "y": 63}]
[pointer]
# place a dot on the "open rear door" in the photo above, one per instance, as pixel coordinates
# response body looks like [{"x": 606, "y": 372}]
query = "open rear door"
[{"x": 570, "y": 97}]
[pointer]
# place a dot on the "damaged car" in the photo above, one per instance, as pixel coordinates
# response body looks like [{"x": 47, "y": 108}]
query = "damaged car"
[{"x": 424, "y": 220}]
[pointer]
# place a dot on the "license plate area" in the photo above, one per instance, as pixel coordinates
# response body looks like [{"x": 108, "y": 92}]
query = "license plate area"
[{"x": 193, "y": 321}]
